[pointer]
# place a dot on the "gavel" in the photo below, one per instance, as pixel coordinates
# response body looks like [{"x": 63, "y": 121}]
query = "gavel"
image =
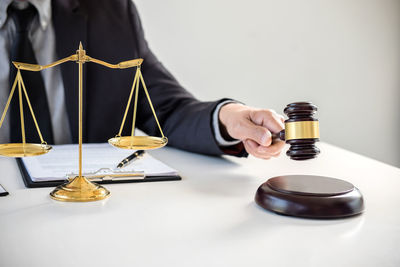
[
  {"x": 301, "y": 131},
  {"x": 305, "y": 195}
]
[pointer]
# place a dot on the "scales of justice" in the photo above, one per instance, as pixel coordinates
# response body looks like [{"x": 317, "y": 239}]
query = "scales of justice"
[{"x": 80, "y": 189}]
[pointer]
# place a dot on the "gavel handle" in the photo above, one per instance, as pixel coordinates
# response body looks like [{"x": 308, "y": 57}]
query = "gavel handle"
[{"x": 278, "y": 136}]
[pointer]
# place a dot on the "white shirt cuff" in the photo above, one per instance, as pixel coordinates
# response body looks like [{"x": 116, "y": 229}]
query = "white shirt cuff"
[{"x": 215, "y": 121}]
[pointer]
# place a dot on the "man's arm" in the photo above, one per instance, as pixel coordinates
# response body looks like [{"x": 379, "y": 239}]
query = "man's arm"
[{"x": 187, "y": 122}]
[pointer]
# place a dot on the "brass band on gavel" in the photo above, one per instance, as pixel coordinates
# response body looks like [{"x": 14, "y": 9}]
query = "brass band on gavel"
[{"x": 301, "y": 131}]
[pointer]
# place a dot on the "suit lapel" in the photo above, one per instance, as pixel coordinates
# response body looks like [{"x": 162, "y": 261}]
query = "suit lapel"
[{"x": 70, "y": 26}]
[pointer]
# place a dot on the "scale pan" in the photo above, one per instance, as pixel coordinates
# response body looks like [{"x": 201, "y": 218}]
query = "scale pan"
[
  {"x": 23, "y": 150},
  {"x": 138, "y": 142}
]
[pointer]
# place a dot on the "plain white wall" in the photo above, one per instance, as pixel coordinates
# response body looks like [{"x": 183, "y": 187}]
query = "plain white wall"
[{"x": 343, "y": 55}]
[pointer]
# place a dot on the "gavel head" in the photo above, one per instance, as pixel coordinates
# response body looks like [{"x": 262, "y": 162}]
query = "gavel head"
[{"x": 301, "y": 131}]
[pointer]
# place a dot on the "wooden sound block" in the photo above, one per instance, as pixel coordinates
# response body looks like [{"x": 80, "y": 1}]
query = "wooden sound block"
[{"x": 310, "y": 197}]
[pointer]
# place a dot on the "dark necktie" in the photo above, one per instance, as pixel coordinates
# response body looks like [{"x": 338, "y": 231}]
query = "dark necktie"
[{"x": 22, "y": 51}]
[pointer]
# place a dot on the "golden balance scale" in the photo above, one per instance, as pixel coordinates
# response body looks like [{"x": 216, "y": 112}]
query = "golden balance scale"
[{"x": 80, "y": 189}]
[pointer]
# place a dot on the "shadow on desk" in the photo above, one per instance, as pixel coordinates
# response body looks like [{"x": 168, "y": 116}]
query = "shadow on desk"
[{"x": 262, "y": 222}]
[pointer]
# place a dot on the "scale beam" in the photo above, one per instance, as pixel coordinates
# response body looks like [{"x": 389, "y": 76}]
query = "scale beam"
[
  {"x": 121, "y": 65},
  {"x": 36, "y": 67}
]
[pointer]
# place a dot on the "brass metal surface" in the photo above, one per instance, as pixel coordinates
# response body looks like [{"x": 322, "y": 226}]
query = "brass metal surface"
[
  {"x": 3, "y": 115},
  {"x": 19, "y": 150},
  {"x": 81, "y": 59},
  {"x": 138, "y": 142},
  {"x": 301, "y": 130},
  {"x": 121, "y": 65},
  {"x": 31, "y": 109},
  {"x": 21, "y": 113},
  {"x": 21, "y": 89},
  {"x": 150, "y": 103},
  {"x": 35, "y": 67},
  {"x": 79, "y": 190},
  {"x": 141, "y": 142}
]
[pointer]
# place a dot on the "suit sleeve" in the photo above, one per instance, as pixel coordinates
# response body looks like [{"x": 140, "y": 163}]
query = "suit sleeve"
[{"x": 186, "y": 121}]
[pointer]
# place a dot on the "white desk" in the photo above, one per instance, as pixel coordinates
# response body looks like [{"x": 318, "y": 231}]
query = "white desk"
[{"x": 207, "y": 219}]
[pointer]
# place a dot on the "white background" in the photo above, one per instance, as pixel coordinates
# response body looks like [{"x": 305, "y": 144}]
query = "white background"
[{"x": 343, "y": 55}]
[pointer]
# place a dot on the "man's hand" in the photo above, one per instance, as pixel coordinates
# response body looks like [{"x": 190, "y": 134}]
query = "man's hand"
[{"x": 254, "y": 127}]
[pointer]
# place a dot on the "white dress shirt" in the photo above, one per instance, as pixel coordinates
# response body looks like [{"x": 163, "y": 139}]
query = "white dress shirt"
[{"x": 42, "y": 36}]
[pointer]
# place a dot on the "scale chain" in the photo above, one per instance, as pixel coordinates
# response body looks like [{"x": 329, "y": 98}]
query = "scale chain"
[
  {"x": 150, "y": 103},
  {"x": 129, "y": 103}
]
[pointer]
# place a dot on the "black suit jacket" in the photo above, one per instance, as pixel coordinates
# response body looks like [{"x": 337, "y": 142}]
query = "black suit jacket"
[{"x": 112, "y": 31}]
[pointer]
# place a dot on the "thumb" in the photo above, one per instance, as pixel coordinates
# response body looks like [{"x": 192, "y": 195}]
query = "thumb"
[{"x": 259, "y": 134}]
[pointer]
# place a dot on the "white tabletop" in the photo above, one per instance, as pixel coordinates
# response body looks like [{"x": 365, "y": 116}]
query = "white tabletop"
[{"x": 207, "y": 219}]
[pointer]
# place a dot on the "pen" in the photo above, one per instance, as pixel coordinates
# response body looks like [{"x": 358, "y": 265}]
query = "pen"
[
  {"x": 3, "y": 191},
  {"x": 130, "y": 158}
]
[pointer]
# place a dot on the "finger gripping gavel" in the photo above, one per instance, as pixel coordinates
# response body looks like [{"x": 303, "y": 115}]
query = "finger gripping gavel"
[{"x": 301, "y": 131}]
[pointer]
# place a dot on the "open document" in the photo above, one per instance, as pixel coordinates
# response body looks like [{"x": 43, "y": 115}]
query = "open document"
[{"x": 62, "y": 162}]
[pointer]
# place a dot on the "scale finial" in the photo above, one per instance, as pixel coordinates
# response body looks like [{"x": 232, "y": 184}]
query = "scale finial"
[{"x": 80, "y": 46}]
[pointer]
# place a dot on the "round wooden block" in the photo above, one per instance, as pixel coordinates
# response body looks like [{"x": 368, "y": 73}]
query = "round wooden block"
[{"x": 310, "y": 197}]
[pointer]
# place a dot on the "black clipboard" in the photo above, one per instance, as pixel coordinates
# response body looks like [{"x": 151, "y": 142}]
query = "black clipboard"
[{"x": 53, "y": 183}]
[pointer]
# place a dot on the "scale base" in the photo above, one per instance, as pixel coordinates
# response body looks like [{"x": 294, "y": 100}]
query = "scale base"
[
  {"x": 310, "y": 196},
  {"x": 79, "y": 190}
]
